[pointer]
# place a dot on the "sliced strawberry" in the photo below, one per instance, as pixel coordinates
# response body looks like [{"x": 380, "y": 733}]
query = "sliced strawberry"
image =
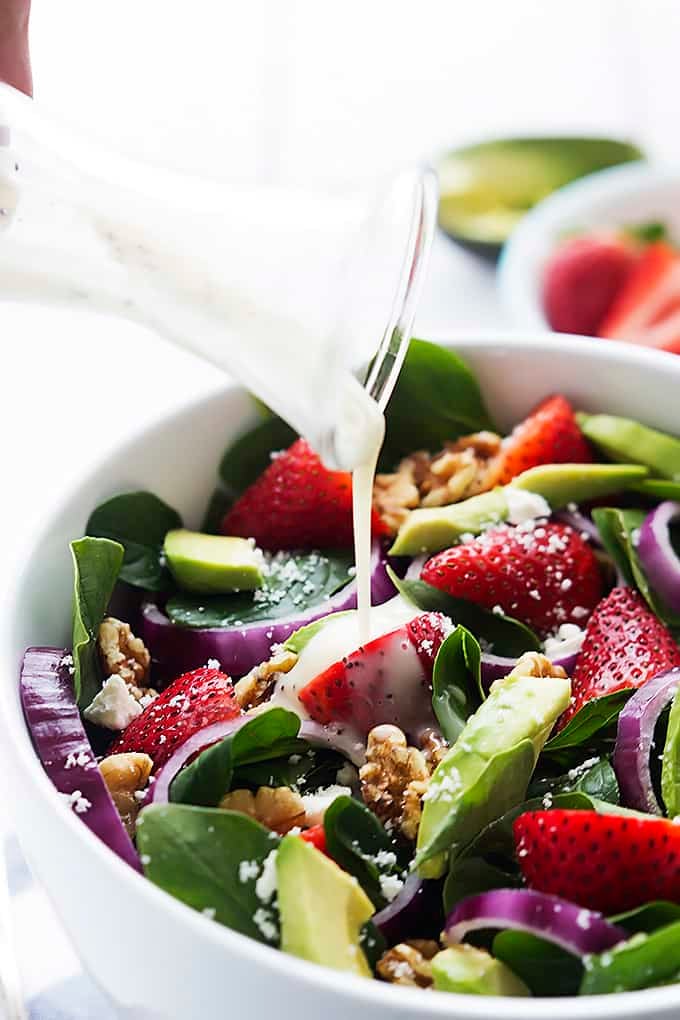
[
  {"x": 296, "y": 503},
  {"x": 544, "y": 575},
  {"x": 317, "y": 837},
  {"x": 387, "y": 680},
  {"x": 609, "y": 863},
  {"x": 581, "y": 280},
  {"x": 549, "y": 435},
  {"x": 625, "y": 645},
  {"x": 193, "y": 701},
  {"x": 646, "y": 310}
]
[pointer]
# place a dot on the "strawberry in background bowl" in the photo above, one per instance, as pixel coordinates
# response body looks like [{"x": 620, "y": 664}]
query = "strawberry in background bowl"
[{"x": 600, "y": 258}]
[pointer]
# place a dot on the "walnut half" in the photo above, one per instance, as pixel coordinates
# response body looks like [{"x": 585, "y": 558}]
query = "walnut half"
[
  {"x": 125, "y": 776},
  {"x": 394, "y": 779},
  {"x": 409, "y": 963},
  {"x": 124, "y": 654},
  {"x": 278, "y": 808}
]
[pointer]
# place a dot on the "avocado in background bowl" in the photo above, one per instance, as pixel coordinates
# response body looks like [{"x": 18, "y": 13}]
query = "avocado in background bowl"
[{"x": 487, "y": 188}]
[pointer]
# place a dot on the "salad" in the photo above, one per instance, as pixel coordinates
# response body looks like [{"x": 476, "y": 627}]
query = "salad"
[
  {"x": 620, "y": 284},
  {"x": 482, "y": 798}
]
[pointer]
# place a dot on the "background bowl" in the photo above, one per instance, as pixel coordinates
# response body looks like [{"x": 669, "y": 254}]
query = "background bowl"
[
  {"x": 155, "y": 956},
  {"x": 629, "y": 194}
]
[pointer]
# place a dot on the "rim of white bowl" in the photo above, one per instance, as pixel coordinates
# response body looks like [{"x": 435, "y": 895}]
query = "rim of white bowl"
[
  {"x": 532, "y": 239},
  {"x": 404, "y": 1002}
]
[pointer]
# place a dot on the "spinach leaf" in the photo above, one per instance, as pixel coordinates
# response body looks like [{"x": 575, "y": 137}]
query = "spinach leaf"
[
  {"x": 96, "y": 563},
  {"x": 544, "y": 967},
  {"x": 306, "y": 772},
  {"x": 597, "y": 780},
  {"x": 361, "y": 846},
  {"x": 293, "y": 582},
  {"x": 445, "y": 390},
  {"x": 249, "y": 455},
  {"x": 648, "y": 917},
  {"x": 456, "y": 682},
  {"x": 474, "y": 875},
  {"x": 500, "y": 634},
  {"x": 592, "y": 720},
  {"x": 644, "y": 961},
  {"x": 269, "y": 735},
  {"x": 373, "y": 943},
  {"x": 139, "y": 521},
  {"x": 195, "y": 854}
]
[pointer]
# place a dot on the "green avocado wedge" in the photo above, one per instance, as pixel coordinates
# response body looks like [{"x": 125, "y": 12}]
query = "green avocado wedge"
[
  {"x": 213, "y": 564},
  {"x": 472, "y": 971},
  {"x": 626, "y": 440},
  {"x": 430, "y": 529},
  {"x": 488, "y": 769},
  {"x": 487, "y": 188},
  {"x": 322, "y": 908}
]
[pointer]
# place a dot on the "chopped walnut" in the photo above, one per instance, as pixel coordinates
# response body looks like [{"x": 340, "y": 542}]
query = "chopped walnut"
[
  {"x": 387, "y": 777},
  {"x": 535, "y": 664},
  {"x": 434, "y": 747},
  {"x": 409, "y": 963},
  {"x": 125, "y": 776},
  {"x": 463, "y": 468},
  {"x": 278, "y": 808},
  {"x": 125, "y": 655},
  {"x": 256, "y": 686}
]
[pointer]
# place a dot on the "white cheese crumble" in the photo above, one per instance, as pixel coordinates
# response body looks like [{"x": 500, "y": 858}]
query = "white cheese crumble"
[
  {"x": 77, "y": 802},
  {"x": 248, "y": 870},
  {"x": 212, "y": 664},
  {"x": 264, "y": 921},
  {"x": 265, "y": 887},
  {"x": 209, "y": 912},
  {"x": 525, "y": 506},
  {"x": 113, "y": 707},
  {"x": 316, "y": 804},
  {"x": 390, "y": 886}
]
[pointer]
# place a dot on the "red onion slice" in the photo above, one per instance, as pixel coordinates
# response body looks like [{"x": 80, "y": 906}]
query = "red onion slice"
[
  {"x": 61, "y": 743},
  {"x": 634, "y": 738},
  {"x": 339, "y": 739},
  {"x": 581, "y": 524},
  {"x": 657, "y": 556},
  {"x": 495, "y": 667},
  {"x": 176, "y": 650},
  {"x": 573, "y": 928}
]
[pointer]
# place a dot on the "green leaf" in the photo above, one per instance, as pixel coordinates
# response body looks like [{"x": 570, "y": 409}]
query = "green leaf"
[
  {"x": 596, "y": 780},
  {"x": 269, "y": 735},
  {"x": 293, "y": 583},
  {"x": 456, "y": 682},
  {"x": 299, "y": 639},
  {"x": 444, "y": 390},
  {"x": 500, "y": 634},
  {"x": 670, "y": 761},
  {"x": 547, "y": 969},
  {"x": 644, "y": 961},
  {"x": 96, "y": 564},
  {"x": 355, "y": 838},
  {"x": 648, "y": 917},
  {"x": 592, "y": 720},
  {"x": 250, "y": 454},
  {"x": 649, "y": 232},
  {"x": 195, "y": 854},
  {"x": 306, "y": 772},
  {"x": 373, "y": 943},
  {"x": 140, "y": 522}
]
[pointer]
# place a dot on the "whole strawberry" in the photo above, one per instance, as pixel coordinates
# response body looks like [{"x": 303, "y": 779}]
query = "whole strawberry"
[
  {"x": 548, "y": 435},
  {"x": 542, "y": 574},
  {"x": 297, "y": 503},
  {"x": 625, "y": 644},
  {"x": 604, "y": 862},
  {"x": 193, "y": 701}
]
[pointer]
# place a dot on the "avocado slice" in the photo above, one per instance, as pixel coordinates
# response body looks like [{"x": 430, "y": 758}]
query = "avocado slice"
[
  {"x": 213, "y": 564},
  {"x": 623, "y": 439},
  {"x": 488, "y": 769},
  {"x": 472, "y": 971},
  {"x": 430, "y": 529},
  {"x": 322, "y": 908},
  {"x": 487, "y": 188}
]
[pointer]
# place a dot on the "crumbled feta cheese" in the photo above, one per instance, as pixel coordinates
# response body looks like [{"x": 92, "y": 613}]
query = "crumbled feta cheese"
[
  {"x": 316, "y": 804},
  {"x": 583, "y": 919},
  {"x": 390, "y": 886},
  {"x": 212, "y": 664},
  {"x": 248, "y": 870},
  {"x": 265, "y": 887},
  {"x": 264, "y": 920},
  {"x": 525, "y": 506},
  {"x": 209, "y": 912},
  {"x": 113, "y": 707},
  {"x": 77, "y": 802}
]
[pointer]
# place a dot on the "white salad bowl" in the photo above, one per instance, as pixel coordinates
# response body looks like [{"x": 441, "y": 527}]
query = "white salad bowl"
[
  {"x": 156, "y": 957},
  {"x": 628, "y": 194}
]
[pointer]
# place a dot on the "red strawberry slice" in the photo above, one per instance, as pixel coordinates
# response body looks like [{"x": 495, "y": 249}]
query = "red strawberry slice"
[
  {"x": 581, "y": 280},
  {"x": 647, "y": 309},
  {"x": 542, "y": 574},
  {"x": 317, "y": 837},
  {"x": 387, "y": 680},
  {"x": 193, "y": 701},
  {"x": 609, "y": 863},
  {"x": 296, "y": 503},
  {"x": 625, "y": 645},
  {"x": 549, "y": 435}
]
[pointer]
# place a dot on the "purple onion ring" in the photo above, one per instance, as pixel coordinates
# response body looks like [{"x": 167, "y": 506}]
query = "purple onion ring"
[
  {"x": 657, "y": 555},
  {"x": 634, "y": 738}
]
